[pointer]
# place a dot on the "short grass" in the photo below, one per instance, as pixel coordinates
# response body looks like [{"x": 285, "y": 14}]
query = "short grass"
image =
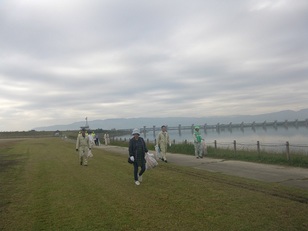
[{"x": 43, "y": 187}]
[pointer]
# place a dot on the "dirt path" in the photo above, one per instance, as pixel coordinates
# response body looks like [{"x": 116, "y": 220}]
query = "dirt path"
[{"x": 289, "y": 176}]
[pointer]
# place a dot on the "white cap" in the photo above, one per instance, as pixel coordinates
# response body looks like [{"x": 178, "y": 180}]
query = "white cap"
[{"x": 136, "y": 131}]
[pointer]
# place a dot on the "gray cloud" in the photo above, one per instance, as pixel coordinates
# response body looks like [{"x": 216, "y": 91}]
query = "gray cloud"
[{"x": 63, "y": 60}]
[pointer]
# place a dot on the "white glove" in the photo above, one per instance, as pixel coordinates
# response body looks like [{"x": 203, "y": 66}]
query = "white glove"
[{"x": 132, "y": 158}]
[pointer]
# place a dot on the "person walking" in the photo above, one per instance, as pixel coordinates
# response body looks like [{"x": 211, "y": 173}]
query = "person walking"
[
  {"x": 106, "y": 139},
  {"x": 82, "y": 147},
  {"x": 96, "y": 140},
  {"x": 137, "y": 150},
  {"x": 93, "y": 137},
  {"x": 163, "y": 141},
  {"x": 197, "y": 143},
  {"x": 91, "y": 140}
]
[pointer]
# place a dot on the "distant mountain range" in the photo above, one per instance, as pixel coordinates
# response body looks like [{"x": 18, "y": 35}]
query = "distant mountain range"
[{"x": 129, "y": 123}]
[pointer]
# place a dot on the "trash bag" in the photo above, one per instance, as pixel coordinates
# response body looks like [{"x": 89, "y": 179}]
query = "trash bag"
[
  {"x": 157, "y": 153},
  {"x": 90, "y": 153},
  {"x": 150, "y": 161}
]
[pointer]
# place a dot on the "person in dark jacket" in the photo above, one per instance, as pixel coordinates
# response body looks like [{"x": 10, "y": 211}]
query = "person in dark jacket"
[{"x": 137, "y": 150}]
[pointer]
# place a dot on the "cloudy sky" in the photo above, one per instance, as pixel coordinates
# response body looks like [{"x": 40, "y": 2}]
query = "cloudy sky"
[{"x": 64, "y": 60}]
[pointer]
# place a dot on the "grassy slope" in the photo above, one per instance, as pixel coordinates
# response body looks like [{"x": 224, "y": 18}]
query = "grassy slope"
[{"x": 43, "y": 187}]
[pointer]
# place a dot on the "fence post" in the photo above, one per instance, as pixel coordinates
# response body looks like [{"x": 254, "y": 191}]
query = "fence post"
[
  {"x": 258, "y": 147},
  {"x": 288, "y": 150},
  {"x": 234, "y": 144},
  {"x": 215, "y": 144}
]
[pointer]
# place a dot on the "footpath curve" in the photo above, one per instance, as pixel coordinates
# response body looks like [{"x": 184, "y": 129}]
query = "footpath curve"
[{"x": 284, "y": 175}]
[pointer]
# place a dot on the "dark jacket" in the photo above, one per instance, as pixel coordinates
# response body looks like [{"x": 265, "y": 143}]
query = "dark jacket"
[{"x": 134, "y": 146}]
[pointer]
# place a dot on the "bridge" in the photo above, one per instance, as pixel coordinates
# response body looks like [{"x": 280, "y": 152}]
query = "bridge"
[{"x": 230, "y": 126}]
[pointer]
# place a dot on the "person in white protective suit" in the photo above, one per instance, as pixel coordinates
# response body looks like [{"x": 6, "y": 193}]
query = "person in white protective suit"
[
  {"x": 82, "y": 147},
  {"x": 106, "y": 139},
  {"x": 163, "y": 141},
  {"x": 197, "y": 143},
  {"x": 91, "y": 139}
]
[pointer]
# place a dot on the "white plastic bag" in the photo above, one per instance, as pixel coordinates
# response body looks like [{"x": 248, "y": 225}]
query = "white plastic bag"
[
  {"x": 157, "y": 152},
  {"x": 90, "y": 153},
  {"x": 150, "y": 161}
]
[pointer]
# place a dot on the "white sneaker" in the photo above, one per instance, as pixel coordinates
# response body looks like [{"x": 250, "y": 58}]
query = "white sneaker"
[
  {"x": 137, "y": 182},
  {"x": 140, "y": 178}
]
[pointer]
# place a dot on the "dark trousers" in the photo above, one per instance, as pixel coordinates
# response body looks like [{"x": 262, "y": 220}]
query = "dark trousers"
[{"x": 136, "y": 170}]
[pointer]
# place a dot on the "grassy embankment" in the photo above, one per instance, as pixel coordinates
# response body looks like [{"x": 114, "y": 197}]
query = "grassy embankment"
[
  {"x": 293, "y": 159},
  {"x": 43, "y": 187}
]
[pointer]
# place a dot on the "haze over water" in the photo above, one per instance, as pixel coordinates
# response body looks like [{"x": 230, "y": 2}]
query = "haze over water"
[{"x": 269, "y": 137}]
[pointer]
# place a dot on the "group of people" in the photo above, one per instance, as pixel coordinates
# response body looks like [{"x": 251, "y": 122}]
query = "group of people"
[
  {"x": 138, "y": 149},
  {"x": 163, "y": 141}
]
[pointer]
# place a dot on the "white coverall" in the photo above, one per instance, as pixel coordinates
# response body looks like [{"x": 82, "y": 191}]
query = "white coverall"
[
  {"x": 83, "y": 145},
  {"x": 163, "y": 142},
  {"x": 106, "y": 139},
  {"x": 91, "y": 140},
  {"x": 197, "y": 144}
]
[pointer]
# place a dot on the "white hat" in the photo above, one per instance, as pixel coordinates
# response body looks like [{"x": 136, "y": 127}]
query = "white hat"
[{"x": 136, "y": 131}]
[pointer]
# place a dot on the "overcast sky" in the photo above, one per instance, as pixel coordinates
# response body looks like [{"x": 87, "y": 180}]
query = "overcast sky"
[{"x": 64, "y": 60}]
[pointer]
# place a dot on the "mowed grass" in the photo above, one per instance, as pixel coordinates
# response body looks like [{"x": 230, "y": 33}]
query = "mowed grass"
[{"x": 43, "y": 187}]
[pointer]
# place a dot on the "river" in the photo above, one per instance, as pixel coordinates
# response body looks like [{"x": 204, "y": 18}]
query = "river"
[{"x": 269, "y": 137}]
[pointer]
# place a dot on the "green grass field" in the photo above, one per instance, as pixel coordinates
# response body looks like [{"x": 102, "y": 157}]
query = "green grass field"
[{"x": 43, "y": 187}]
